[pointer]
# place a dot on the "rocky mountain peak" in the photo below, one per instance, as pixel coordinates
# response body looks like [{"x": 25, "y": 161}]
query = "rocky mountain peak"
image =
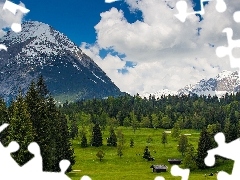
[{"x": 40, "y": 49}]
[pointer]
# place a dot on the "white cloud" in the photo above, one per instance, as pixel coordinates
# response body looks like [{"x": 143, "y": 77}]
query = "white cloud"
[
  {"x": 110, "y": 64},
  {"x": 168, "y": 53}
]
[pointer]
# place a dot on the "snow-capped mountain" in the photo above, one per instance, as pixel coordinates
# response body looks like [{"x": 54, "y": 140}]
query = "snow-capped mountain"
[
  {"x": 224, "y": 82},
  {"x": 158, "y": 94},
  {"x": 39, "y": 49}
]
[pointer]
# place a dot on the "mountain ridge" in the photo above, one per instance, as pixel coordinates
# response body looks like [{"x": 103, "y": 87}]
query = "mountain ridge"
[
  {"x": 41, "y": 50},
  {"x": 224, "y": 82}
]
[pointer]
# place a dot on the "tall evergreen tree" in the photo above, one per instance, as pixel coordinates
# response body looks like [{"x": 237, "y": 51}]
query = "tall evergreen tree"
[
  {"x": 227, "y": 130},
  {"x": 175, "y": 130},
  {"x": 120, "y": 137},
  {"x": 120, "y": 150},
  {"x": 21, "y": 130},
  {"x": 84, "y": 141},
  {"x": 131, "y": 142},
  {"x": 64, "y": 148},
  {"x": 4, "y": 118},
  {"x": 42, "y": 87},
  {"x": 134, "y": 122},
  {"x": 204, "y": 145},
  {"x": 73, "y": 127},
  {"x": 164, "y": 138},
  {"x": 96, "y": 136},
  {"x": 49, "y": 125},
  {"x": 112, "y": 139},
  {"x": 155, "y": 121},
  {"x": 182, "y": 144},
  {"x": 146, "y": 153},
  {"x": 189, "y": 160},
  {"x": 43, "y": 124}
]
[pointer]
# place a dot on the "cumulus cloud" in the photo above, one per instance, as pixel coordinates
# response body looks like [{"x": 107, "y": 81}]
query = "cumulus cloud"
[
  {"x": 7, "y": 18},
  {"x": 168, "y": 53}
]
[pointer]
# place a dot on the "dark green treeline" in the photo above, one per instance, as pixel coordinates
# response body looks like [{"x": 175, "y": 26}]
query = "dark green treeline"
[{"x": 190, "y": 112}]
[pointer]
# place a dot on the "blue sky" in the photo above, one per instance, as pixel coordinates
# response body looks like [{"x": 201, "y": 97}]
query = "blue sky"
[
  {"x": 140, "y": 44},
  {"x": 75, "y": 18}
]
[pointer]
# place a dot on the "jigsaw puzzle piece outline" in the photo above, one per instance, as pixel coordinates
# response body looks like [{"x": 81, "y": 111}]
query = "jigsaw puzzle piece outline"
[
  {"x": 223, "y": 51},
  {"x": 13, "y": 8},
  {"x": 5, "y": 156},
  {"x": 3, "y": 126},
  {"x": 85, "y": 177},
  {"x": 236, "y": 16},
  {"x": 159, "y": 178},
  {"x": 177, "y": 171},
  {"x": 36, "y": 163},
  {"x": 228, "y": 150},
  {"x": 182, "y": 7}
]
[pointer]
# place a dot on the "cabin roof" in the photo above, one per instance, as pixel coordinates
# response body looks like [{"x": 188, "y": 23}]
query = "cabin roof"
[
  {"x": 159, "y": 166},
  {"x": 174, "y": 160}
]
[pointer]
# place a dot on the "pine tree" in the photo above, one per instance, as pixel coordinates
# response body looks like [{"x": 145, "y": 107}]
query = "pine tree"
[
  {"x": 84, "y": 141},
  {"x": 164, "y": 138},
  {"x": 182, "y": 144},
  {"x": 73, "y": 127},
  {"x": 204, "y": 145},
  {"x": 189, "y": 160},
  {"x": 42, "y": 88},
  {"x": 64, "y": 148},
  {"x": 134, "y": 122},
  {"x": 21, "y": 130},
  {"x": 126, "y": 122},
  {"x": 96, "y": 136},
  {"x": 120, "y": 150},
  {"x": 4, "y": 118},
  {"x": 120, "y": 137},
  {"x": 233, "y": 134},
  {"x": 227, "y": 130},
  {"x": 155, "y": 121},
  {"x": 146, "y": 153},
  {"x": 50, "y": 127},
  {"x": 175, "y": 130},
  {"x": 131, "y": 142},
  {"x": 36, "y": 104},
  {"x": 112, "y": 139}
]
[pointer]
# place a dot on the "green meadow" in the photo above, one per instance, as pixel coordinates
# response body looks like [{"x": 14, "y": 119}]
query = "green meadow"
[{"x": 131, "y": 166}]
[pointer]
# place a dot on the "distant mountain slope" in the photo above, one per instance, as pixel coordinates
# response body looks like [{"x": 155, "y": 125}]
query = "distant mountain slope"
[
  {"x": 39, "y": 49},
  {"x": 224, "y": 82}
]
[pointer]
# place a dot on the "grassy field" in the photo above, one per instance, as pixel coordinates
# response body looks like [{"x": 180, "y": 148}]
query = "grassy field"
[{"x": 132, "y": 166}]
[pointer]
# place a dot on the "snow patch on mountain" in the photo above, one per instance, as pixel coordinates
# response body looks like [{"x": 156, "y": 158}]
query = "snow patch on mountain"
[
  {"x": 41, "y": 39},
  {"x": 158, "y": 94}
]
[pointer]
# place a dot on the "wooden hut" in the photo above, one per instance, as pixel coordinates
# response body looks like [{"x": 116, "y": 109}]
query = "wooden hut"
[
  {"x": 175, "y": 161},
  {"x": 159, "y": 168}
]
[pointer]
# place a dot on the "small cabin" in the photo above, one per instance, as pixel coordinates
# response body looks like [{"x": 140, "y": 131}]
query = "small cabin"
[
  {"x": 159, "y": 168},
  {"x": 175, "y": 161}
]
